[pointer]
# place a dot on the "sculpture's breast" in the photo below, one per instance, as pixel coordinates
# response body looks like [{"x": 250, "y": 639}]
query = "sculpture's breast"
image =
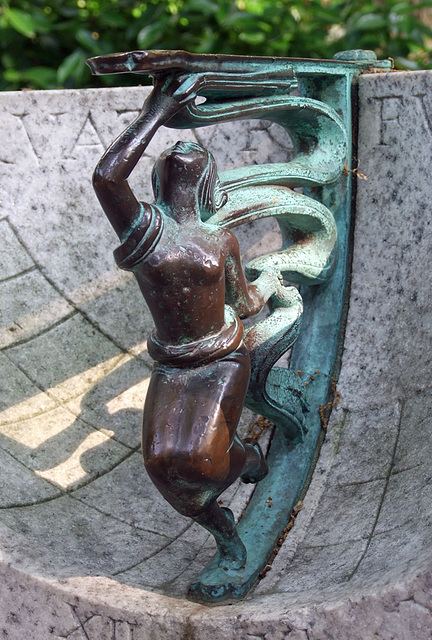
[{"x": 184, "y": 261}]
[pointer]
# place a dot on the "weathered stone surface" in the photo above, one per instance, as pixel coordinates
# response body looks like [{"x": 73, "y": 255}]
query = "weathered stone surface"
[
  {"x": 390, "y": 295},
  {"x": 128, "y": 495},
  {"x": 345, "y": 513},
  {"x": 34, "y": 306},
  {"x": 19, "y": 485},
  {"x": 81, "y": 540},
  {"x": 13, "y": 258},
  {"x": 113, "y": 404},
  {"x": 21, "y": 398},
  {"x": 62, "y": 449},
  {"x": 57, "y": 365},
  {"x": 414, "y": 442},
  {"x": 365, "y": 443},
  {"x": 88, "y": 548}
]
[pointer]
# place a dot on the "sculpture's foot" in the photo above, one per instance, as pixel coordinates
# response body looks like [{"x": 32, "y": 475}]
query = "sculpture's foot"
[
  {"x": 220, "y": 522},
  {"x": 256, "y": 466},
  {"x": 225, "y": 576},
  {"x": 231, "y": 550},
  {"x": 216, "y": 584}
]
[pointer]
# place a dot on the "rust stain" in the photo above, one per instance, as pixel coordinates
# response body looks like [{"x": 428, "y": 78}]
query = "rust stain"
[
  {"x": 324, "y": 410},
  {"x": 298, "y": 507}
]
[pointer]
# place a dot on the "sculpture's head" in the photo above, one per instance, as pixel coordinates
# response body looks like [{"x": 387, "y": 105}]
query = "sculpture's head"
[{"x": 185, "y": 176}]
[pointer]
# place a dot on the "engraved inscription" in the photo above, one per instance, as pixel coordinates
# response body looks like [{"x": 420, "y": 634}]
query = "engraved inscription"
[
  {"x": 88, "y": 138},
  {"x": 25, "y": 129},
  {"x": 292, "y": 634},
  {"x": 124, "y": 630},
  {"x": 55, "y": 117},
  {"x": 95, "y": 626},
  {"x": 427, "y": 116},
  {"x": 389, "y": 112}
]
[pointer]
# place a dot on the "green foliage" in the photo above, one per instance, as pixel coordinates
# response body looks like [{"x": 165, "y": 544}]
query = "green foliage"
[{"x": 44, "y": 43}]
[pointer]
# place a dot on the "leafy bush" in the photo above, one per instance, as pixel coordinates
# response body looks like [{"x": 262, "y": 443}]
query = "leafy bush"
[{"x": 44, "y": 43}]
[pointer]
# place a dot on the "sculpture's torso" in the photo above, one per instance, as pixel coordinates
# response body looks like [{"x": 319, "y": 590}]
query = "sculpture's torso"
[{"x": 183, "y": 280}]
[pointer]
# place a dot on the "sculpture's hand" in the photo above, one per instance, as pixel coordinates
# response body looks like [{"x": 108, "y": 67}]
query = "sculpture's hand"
[
  {"x": 268, "y": 280},
  {"x": 269, "y": 283},
  {"x": 171, "y": 93}
]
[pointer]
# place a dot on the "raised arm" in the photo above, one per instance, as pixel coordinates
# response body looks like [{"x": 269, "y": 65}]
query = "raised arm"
[
  {"x": 169, "y": 95},
  {"x": 247, "y": 299}
]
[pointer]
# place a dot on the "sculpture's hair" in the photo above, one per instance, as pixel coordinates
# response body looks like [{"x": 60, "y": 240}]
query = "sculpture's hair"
[
  {"x": 211, "y": 197},
  {"x": 155, "y": 183}
]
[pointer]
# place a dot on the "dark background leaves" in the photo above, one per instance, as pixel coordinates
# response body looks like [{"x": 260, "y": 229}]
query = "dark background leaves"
[{"x": 44, "y": 44}]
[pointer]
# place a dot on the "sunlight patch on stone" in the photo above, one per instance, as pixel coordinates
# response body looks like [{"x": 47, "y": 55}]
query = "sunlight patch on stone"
[
  {"x": 27, "y": 408},
  {"x": 132, "y": 398},
  {"x": 139, "y": 348},
  {"x": 71, "y": 471},
  {"x": 81, "y": 382},
  {"x": 36, "y": 431}
]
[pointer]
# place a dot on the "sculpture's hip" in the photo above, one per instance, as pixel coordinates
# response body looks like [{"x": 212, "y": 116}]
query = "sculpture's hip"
[
  {"x": 199, "y": 352},
  {"x": 190, "y": 419}
]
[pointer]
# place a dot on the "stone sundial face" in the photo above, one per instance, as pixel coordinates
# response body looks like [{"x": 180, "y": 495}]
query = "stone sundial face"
[
  {"x": 75, "y": 380},
  {"x": 69, "y": 416}
]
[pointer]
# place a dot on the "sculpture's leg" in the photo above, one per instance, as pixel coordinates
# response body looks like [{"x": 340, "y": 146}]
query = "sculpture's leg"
[
  {"x": 190, "y": 447},
  {"x": 256, "y": 467},
  {"x": 219, "y": 521}
]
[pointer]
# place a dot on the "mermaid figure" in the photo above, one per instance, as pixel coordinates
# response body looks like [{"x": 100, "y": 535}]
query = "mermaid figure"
[{"x": 190, "y": 274}]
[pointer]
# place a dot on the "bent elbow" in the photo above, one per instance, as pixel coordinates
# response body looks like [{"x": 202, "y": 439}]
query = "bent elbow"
[{"x": 103, "y": 180}]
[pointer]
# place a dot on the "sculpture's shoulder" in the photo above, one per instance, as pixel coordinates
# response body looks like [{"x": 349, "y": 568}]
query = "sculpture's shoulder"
[
  {"x": 189, "y": 246},
  {"x": 223, "y": 235},
  {"x": 141, "y": 239}
]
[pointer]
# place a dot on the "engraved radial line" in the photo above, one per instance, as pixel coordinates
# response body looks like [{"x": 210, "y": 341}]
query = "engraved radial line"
[
  {"x": 28, "y": 504},
  {"x": 68, "y": 299},
  {"x": 153, "y": 555},
  {"x": 117, "y": 518},
  {"x": 196, "y": 556},
  {"x": 18, "y": 275},
  {"x": 70, "y": 493},
  {"x": 391, "y": 465},
  {"x": 111, "y": 437},
  {"x": 42, "y": 332}
]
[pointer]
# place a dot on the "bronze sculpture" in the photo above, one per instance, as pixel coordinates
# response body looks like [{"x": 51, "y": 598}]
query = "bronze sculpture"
[
  {"x": 187, "y": 265},
  {"x": 187, "y": 270}
]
